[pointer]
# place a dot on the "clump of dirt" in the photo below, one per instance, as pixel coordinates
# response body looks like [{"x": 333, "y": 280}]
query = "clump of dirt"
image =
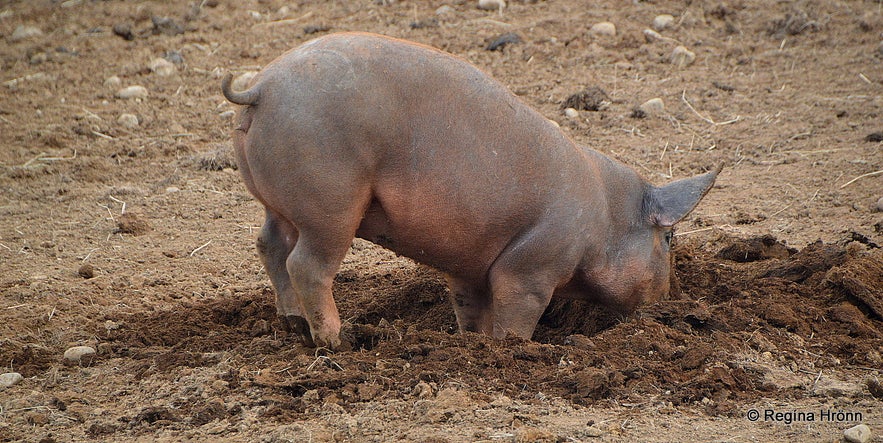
[
  {"x": 754, "y": 249},
  {"x": 592, "y": 98},
  {"x": 132, "y": 223}
]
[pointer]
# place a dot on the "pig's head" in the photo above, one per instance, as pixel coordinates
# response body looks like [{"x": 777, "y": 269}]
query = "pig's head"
[{"x": 636, "y": 261}]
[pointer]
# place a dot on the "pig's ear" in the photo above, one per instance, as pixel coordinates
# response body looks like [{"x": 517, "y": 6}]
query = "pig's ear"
[{"x": 669, "y": 204}]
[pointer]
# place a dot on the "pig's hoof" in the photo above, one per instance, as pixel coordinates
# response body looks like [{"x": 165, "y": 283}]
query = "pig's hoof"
[
  {"x": 297, "y": 325},
  {"x": 330, "y": 341}
]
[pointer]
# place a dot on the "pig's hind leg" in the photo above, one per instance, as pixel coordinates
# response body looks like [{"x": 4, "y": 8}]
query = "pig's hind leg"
[
  {"x": 472, "y": 306},
  {"x": 274, "y": 244}
]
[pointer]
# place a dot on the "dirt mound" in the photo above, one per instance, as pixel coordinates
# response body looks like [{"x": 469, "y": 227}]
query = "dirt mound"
[{"x": 715, "y": 347}]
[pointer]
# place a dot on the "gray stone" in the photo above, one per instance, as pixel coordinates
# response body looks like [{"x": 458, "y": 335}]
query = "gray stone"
[
  {"x": 79, "y": 354},
  {"x": 9, "y": 379},
  {"x": 128, "y": 121},
  {"x": 491, "y": 5},
  {"x": 606, "y": 29},
  {"x": 663, "y": 22},
  {"x": 162, "y": 67},
  {"x": 654, "y": 106},
  {"x": 132, "y": 92},
  {"x": 682, "y": 57},
  {"x": 858, "y": 434}
]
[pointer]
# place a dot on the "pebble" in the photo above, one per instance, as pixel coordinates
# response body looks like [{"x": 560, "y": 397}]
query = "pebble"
[
  {"x": 604, "y": 29},
  {"x": 128, "y": 121},
  {"x": 654, "y": 106},
  {"x": 172, "y": 189},
  {"x": 491, "y": 5},
  {"x": 124, "y": 31},
  {"x": 227, "y": 114},
  {"x": 78, "y": 354},
  {"x": 174, "y": 57},
  {"x": 113, "y": 82},
  {"x": 162, "y": 67},
  {"x": 858, "y": 434},
  {"x": 652, "y": 36},
  {"x": 682, "y": 57},
  {"x": 136, "y": 91},
  {"x": 879, "y": 205},
  {"x": 165, "y": 25},
  {"x": 571, "y": 113},
  {"x": 593, "y": 432},
  {"x": 444, "y": 10},
  {"x": 25, "y": 32},
  {"x": 663, "y": 22},
  {"x": 9, "y": 379},
  {"x": 502, "y": 41}
]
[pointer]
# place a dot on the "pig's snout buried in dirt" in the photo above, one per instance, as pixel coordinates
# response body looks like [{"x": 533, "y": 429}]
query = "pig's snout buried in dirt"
[{"x": 419, "y": 151}]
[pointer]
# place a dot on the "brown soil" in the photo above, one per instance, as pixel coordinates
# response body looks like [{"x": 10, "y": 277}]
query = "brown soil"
[{"x": 139, "y": 241}]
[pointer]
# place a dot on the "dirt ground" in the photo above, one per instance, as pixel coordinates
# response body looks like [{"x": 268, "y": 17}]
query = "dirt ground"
[{"x": 135, "y": 236}]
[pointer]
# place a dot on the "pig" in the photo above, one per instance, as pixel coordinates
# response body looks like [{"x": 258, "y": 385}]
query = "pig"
[{"x": 416, "y": 150}]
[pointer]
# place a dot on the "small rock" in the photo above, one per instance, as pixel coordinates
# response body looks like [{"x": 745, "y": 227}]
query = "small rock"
[
  {"x": 314, "y": 29},
  {"x": 652, "y": 36},
  {"x": 136, "y": 91},
  {"x": 172, "y": 189},
  {"x": 663, "y": 21},
  {"x": 227, "y": 114},
  {"x": 682, "y": 57},
  {"x": 79, "y": 354},
  {"x": 571, "y": 113},
  {"x": 86, "y": 271},
  {"x": 875, "y": 387},
  {"x": 444, "y": 10},
  {"x": 128, "y": 121},
  {"x": 241, "y": 82},
  {"x": 111, "y": 325},
  {"x": 113, "y": 82},
  {"x": 502, "y": 41},
  {"x": 858, "y": 434},
  {"x": 124, "y": 30},
  {"x": 606, "y": 29},
  {"x": 25, "y": 32},
  {"x": 9, "y": 379},
  {"x": 162, "y": 67},
  {"x": 593, "y": 432},
  {"x": 654, "y": 106},
  {"x": 174, "y": 57},
  {"x": 491, "y": 5},
  {"x": 879, "y": 205},
  {"x": 165, "y": 25}
]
